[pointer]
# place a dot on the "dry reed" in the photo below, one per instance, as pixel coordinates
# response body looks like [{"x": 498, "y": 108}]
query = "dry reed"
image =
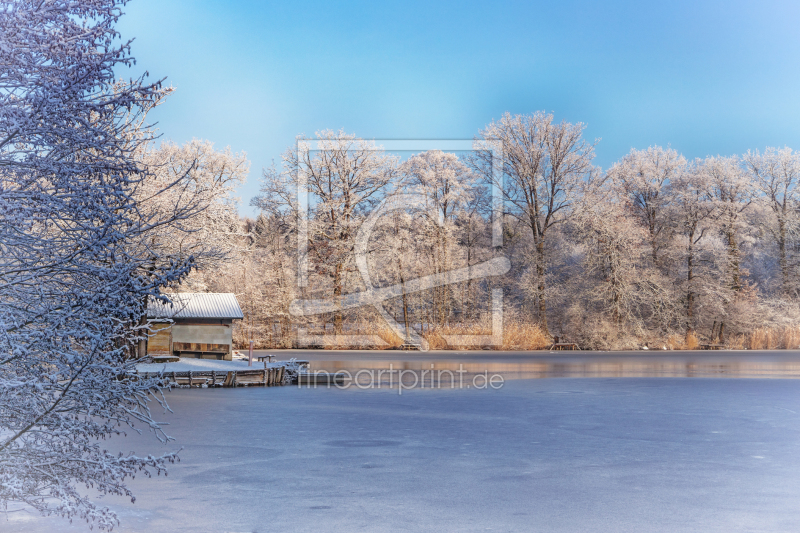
[
  {"x": 691, "y": 342},
  {"x": 786, "y": 338},
  {"x": 521, "y": 335}
]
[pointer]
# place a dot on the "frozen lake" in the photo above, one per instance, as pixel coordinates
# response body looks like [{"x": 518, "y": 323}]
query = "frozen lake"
[{"x": 615, "y": 455}]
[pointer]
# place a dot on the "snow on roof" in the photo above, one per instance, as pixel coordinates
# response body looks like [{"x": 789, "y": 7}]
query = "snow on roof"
[{"x": 196, "y": 305}]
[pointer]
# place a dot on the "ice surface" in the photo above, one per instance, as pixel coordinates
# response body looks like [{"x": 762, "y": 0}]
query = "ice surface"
[{"x": 550, "y": 455}]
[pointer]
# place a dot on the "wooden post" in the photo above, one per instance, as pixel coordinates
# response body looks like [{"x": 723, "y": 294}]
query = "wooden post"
[{"x": 250, "y": 356}]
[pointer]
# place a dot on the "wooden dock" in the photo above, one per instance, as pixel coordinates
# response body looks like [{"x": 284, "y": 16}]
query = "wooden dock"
[{"x": 264, "y": 377}]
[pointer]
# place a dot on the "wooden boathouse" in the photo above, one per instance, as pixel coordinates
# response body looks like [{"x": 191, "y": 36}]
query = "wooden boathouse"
[{"x": 196, "y": 325}]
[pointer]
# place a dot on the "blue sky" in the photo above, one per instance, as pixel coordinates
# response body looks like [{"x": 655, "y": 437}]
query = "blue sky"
[{"x": 707, "y": 77}]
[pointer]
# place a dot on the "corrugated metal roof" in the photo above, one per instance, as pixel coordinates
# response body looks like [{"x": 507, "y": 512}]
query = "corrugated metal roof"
[{"x": 196, "y": 305}]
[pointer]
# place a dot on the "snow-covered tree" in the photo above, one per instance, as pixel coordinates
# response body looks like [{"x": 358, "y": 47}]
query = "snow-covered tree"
[
  {"x": 612, "y": 239},
  {"x": 543, "y": 163},
  {"x": 73, "y": 278},
  {"x": 447, "y": 184},
  {"x": 644, "y": 177},
  {"x": 473, "y": 234},
  {"x": 187, "y": 200},
  {"x": 343, "y": 177},
  {"x": 731, "y": 191},
  {"x": 692, "y": 209},
  {"x": 269, "y": 282},
  {"x": 776, "y": 174},
  {"x": 395, "y": 258}
]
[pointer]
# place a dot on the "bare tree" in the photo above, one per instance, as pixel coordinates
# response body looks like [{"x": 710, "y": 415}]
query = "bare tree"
[
  {"x": 543, "y": 164},
  {"x": 732, "y": 192},
  {"x": 273, "y": 263},
  {"x": 344, "y": 177},
  {"x": 472, "y": 226},
  {"x": 776, "y": 174},
  {"x": 692, "y": 210},
  {"x": 394, "y": 256},
  {"x": 447, "y": 184},
  {"x": 612, "y": 240},
  {"x": 644, "y": 177},
  {"x": 190, "y": 189}
]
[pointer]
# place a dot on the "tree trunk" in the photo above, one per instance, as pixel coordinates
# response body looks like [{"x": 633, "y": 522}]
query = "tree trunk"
[
  {"x": 655, "y": 254},
  {"x": 443, "y": 290},
  {"x": 405, "y": 301},
  {"x": 468, "y": 299},
  {"x": 337, "y": 295},
  {"x": 733, "y": 262},
  {"x": 540, "y": 285},
  {"x": 652, "y": 230},
  {"x": 689, "y": 288},
  {"x": 783, "y": 261}
]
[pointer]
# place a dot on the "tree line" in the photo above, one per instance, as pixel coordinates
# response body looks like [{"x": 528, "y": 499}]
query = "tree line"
[{"x": 656, "y": 250}]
